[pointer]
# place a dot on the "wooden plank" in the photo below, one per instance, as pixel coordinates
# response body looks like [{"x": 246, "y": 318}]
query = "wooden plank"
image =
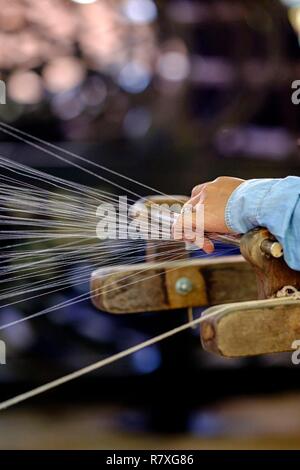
[
  {"x": 152, "y": 286},
  {"x": 251, "y": 328}
]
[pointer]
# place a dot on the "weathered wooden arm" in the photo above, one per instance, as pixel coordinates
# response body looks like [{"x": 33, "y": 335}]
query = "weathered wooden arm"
[
  {"x": 251, "y": 328},
  {"x": 171, "y": 285}
]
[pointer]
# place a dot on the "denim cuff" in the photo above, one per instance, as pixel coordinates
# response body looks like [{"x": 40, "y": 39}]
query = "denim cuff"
[{"x": 243, "y": 206}]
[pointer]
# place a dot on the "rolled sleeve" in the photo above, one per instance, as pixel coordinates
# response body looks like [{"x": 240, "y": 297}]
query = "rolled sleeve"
[
  {"x": 270, "y": 203},
  {"x": 243, "y": 206}
]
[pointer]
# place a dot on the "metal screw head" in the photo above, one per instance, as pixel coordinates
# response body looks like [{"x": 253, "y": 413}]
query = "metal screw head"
[{"x": 183, "y": 286}]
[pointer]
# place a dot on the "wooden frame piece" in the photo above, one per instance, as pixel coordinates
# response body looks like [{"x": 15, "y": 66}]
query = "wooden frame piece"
[
  {"x": 152, "y": 286},
  {"x": 251, "y": 328}
]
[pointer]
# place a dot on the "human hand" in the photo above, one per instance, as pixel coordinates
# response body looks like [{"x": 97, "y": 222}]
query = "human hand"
[{"x": 214, "y": 196}]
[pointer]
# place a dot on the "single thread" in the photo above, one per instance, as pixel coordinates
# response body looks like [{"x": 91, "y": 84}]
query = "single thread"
[{"x": 100, "y": 364}]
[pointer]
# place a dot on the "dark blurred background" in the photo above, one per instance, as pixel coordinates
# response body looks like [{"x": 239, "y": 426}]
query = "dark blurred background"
[{"x": 171, "y": 93}]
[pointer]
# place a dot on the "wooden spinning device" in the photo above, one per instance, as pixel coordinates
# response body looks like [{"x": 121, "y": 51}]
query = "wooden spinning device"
[{"x": 252, "y": 301}]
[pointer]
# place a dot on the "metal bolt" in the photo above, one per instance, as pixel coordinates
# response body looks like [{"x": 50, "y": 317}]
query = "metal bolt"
[
  {"x": 183, "y": 286},
  {"x": 272, "y": 248}
]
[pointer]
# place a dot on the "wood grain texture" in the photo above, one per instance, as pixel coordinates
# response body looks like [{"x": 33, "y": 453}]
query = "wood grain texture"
[
  {"x": 151, "y": 286},
  {"x": 251, "y": 328}
]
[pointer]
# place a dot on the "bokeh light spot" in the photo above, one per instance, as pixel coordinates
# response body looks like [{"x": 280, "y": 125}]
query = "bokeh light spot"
[
  {"x": 137, "y": 122},
  {"x": 25, "y": 87},
  {"x": 173, "y": 66},
  {"x": 134, "y": 77},
  {"x": 140, "y": 11}
]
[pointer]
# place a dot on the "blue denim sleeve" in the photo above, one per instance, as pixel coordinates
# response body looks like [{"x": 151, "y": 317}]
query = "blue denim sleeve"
[{"x": 270, "y": 203}]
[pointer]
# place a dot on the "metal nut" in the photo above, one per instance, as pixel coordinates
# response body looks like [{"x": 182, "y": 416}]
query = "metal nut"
[{"x": 183, "y": 286}]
